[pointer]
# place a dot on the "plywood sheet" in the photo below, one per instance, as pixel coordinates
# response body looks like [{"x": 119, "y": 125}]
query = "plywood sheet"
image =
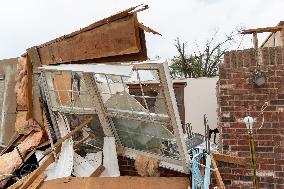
[
  {"x": 118, "y": 183},
  {"x": 62, "y": 83}
]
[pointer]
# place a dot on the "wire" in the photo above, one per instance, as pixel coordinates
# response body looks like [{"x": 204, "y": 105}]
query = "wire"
[{"x": 263, "y": 107}]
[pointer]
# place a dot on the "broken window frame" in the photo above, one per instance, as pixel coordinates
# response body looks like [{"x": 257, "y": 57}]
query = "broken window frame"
[{"x": 109, "y": 127}]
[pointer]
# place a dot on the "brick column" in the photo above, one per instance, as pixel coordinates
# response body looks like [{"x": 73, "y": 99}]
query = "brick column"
[{"x": 238, "y": 97}]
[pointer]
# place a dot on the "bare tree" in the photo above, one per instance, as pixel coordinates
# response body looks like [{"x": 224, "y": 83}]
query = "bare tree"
[{"x": 202, "y": 63}]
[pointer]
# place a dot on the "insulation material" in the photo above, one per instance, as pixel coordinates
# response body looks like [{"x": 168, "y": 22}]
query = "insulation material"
[
  {"x": 29, "y": 126},
  {"x": 147, "y": 166},
  {"x": 11, "y": 161},
  {"x": 21, "y": 82}
]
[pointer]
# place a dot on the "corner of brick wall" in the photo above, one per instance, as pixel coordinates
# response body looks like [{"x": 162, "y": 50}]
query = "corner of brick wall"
[{"x": 239, "y": 97}]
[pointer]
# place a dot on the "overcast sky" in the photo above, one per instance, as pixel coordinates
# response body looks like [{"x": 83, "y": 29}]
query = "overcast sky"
[{"x": 26, "y": 23}]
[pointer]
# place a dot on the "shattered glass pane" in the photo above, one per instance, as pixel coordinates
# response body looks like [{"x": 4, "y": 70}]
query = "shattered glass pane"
[
  {"x": 149, "y": 137},
  {"x": 138, "y": 109}
]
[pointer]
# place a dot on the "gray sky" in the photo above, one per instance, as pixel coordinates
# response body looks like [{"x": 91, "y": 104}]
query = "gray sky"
[{"x": 32, "y": 22}]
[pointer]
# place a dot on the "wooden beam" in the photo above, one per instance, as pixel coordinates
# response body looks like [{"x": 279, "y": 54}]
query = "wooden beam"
[
  {"x": 118, "y": 183},
  {"x": 38, "y": 181},
  {"x": 61, "y": 140},
  {"x": 29, "y": 88},
  {"x": 255, "y": 40},
  {"x": 261, "y": 30},
  {"x": 217, "y": 174},
  {"x": 229, "y": 159},
  {"x": 98, "y": 171},
  {"x": 34, "y": 58}
]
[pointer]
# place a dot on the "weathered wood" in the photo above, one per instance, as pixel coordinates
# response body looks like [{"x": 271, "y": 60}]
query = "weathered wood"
[
  {"x": 38, "y": 181},
  {"x": 229, "y": 159},
  {"x": 261, "y": 30},
  {"x": 98, "y": 171},
  {"x": 34, "y": 58},
  {"x": 119, "y": 37},
  {"x": 29, "y": 89},
  {"x": 61, "y": 140},
  {"x": 62, "y": 82},
  {"x": 118, "y": 183},
  {"x": 217, "y": 174},
  {"x": 255, "y": 40}
]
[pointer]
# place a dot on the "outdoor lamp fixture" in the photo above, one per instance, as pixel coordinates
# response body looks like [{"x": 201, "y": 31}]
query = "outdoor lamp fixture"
[
  {"x": 249, "y": 123},
  {"x": 259, "y": 78}
]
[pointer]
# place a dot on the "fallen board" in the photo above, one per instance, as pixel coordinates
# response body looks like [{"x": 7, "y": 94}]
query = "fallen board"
[
  {"x": 229, "y": 159},
  {"x": 120, "y": 37},
  {"x": 118, "y": 183}
]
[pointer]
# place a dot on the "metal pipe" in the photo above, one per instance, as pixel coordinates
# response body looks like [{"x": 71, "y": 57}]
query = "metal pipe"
[{"x": 253, "y": 159}]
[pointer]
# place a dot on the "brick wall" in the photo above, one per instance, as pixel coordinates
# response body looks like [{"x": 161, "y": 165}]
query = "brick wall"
[{"x": 239, "y": 97}]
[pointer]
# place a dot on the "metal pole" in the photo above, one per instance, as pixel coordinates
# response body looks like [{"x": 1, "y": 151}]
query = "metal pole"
[{"x": 253, "y": 159}]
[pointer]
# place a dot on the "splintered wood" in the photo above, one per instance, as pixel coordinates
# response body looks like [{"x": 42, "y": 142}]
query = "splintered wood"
[
  {"x": 146, "y": 166},
  {"x": 11, "y": 161}
]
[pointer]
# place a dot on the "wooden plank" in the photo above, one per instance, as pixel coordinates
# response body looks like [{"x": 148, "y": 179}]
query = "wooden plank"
[
  {"x": 34, "y": 58},
  {"x": 29, "y": 89},
  {"x": 119, "y": 37},
  {"x": 261, "y": 30},
  {"x": 78, "y": 128},
  {"x": 118, "y": 183},
  {"x": 98, "y": 171},
  {"x": 255, "y": 40},
  {"x": 38, "y": 181},
  {"x": 229, "y": 159},
  {"x": 217, "y": 174},
  {"x": 62, "y": 82}
]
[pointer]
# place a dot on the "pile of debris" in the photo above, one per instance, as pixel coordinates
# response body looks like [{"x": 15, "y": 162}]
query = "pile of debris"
[{"x": 74, "y": 120}]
